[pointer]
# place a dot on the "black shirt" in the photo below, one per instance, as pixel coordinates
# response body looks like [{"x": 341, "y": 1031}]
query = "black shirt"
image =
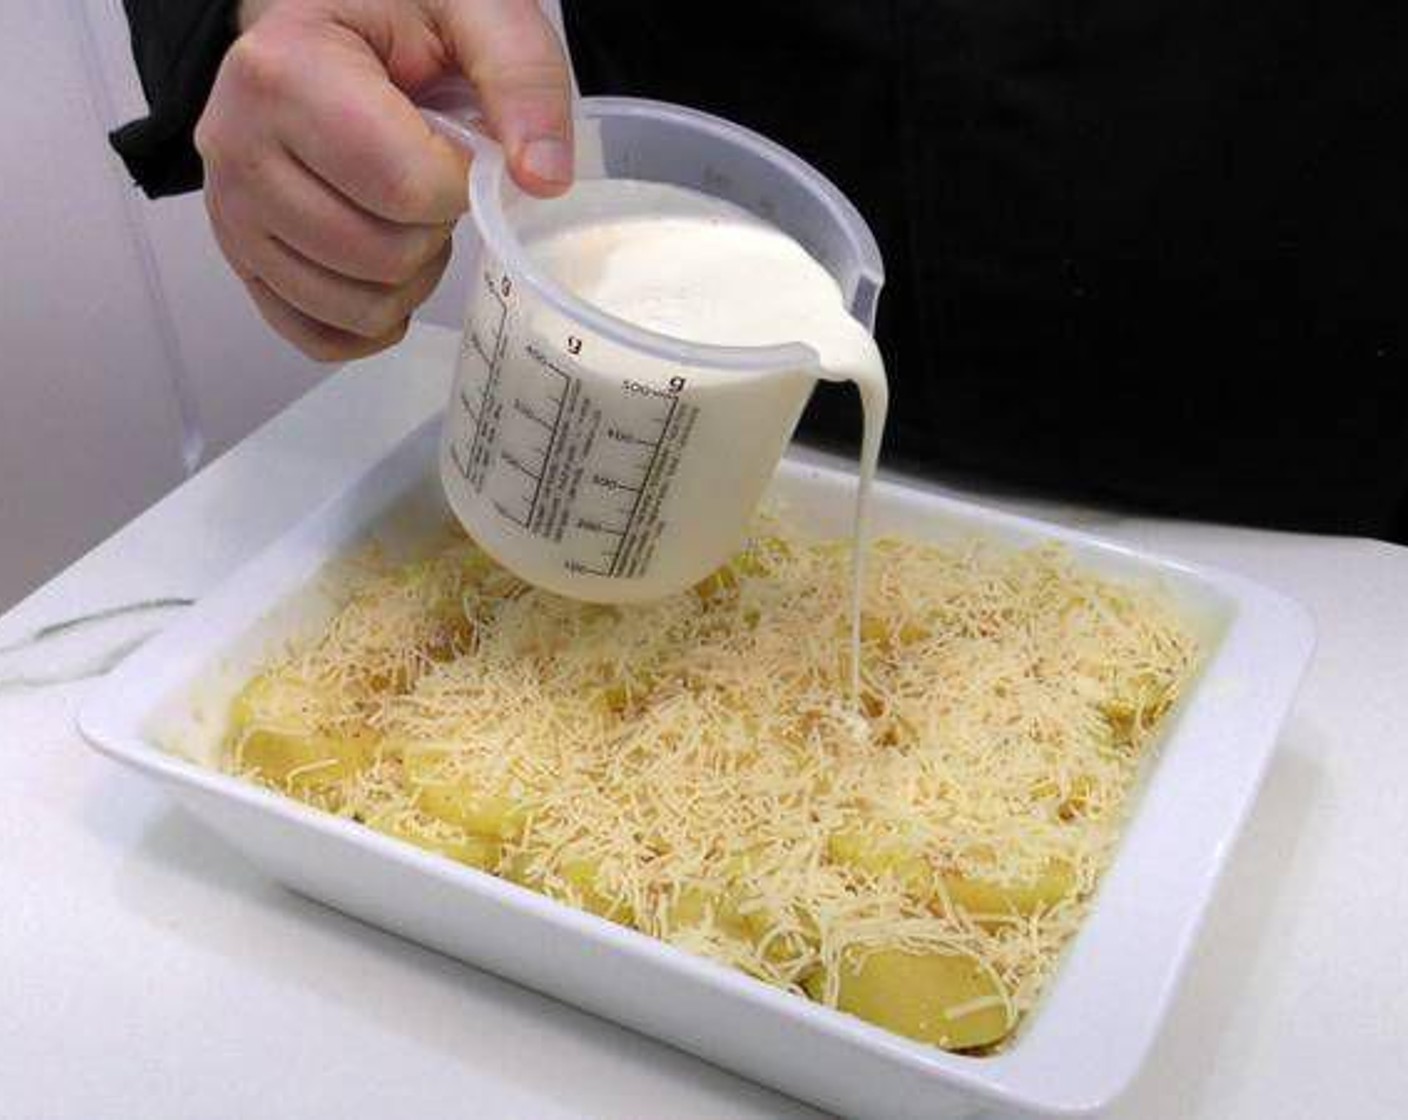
[{"x": 1140, "y": 251}]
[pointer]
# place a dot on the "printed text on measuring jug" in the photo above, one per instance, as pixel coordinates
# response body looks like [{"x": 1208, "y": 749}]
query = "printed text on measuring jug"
[{"x": 589, "y": 469}]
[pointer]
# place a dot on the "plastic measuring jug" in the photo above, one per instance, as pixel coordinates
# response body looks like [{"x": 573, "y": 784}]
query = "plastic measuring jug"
[{"x": 592, "y": 457}]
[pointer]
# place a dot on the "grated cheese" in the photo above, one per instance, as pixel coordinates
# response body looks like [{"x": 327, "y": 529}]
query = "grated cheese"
[{"x": 693, "y": 767}]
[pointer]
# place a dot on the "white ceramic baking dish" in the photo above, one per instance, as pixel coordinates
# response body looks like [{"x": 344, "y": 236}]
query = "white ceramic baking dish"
[{"x": 162, "y": 713}]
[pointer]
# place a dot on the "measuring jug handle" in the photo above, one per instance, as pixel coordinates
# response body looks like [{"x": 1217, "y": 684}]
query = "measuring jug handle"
[{"x": 453, "y": 111}]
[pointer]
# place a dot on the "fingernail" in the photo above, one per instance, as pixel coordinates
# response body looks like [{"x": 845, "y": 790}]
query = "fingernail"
[{"x": 548, "y": 159}]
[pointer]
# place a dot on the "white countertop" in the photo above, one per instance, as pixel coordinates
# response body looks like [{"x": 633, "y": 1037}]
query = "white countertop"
[{"x": 147, "y": 972}]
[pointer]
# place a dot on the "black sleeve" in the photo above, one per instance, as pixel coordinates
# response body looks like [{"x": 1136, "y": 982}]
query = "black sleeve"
[{"x": 177, "y": 45}]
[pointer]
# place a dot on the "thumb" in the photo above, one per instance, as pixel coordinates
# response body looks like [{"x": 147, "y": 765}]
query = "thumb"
[{"x": 516, "y": 63}]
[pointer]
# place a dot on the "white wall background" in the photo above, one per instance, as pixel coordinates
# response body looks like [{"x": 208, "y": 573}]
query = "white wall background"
[{"x": 129, "y": 355}]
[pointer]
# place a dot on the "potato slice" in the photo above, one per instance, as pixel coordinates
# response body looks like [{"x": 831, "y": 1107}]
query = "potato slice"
[
  {"x": 698, "y": 906},
  {"x": 782, "y": 936},
  {"x": 586, "y": 891},
  {"x": 782, "y": 939},
  {"x": 276, "y": 727},
  {"x": 946, "y": 999},
  {"x": 302, "y": 763},
  {"x": 716, "y": 585},
  {"x": 883, "y": 856},
  {"x": 1080, "y": 797},
  {"x": 576, "y": 881},
  {"x": 982, "y": 899},
  {"x": 752, "y": 561},
  {"x": 627, "y": 692},
  {"x": 458, "y": 800},
  {"x": 1137, "y": 706},
  {"x": 279, "y": 701},
  {"x": 877, "y": 629},
  {"x": 474, "y": 851},
  {"x": 493, "y": 815}
]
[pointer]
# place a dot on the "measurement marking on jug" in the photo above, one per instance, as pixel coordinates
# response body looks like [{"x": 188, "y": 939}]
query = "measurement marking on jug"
[
  {"x": 526, "y": 411},
  {"x": 620, "y": 436},
  {"x": 592, "y": 526},
  {"x": 458, "y": 461},
  {"x": 676, "y": 384},
  {"x": 478, "y": 344},
  {"x": 504, "y": 511},
  {"x": 555, "y": 399},
  {"x": 485, "y": 414},
  {"x": 585, "y": 569},
  {"x": 608, "y": 483},
  {"x": 512, "y": 460}
]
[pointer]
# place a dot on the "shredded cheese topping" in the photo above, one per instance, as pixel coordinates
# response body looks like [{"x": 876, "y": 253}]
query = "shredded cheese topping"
[{"x": 694, "y": 767}]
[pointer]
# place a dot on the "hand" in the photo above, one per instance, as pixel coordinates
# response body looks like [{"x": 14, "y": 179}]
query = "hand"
[{"x": 330, "y": 196}]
